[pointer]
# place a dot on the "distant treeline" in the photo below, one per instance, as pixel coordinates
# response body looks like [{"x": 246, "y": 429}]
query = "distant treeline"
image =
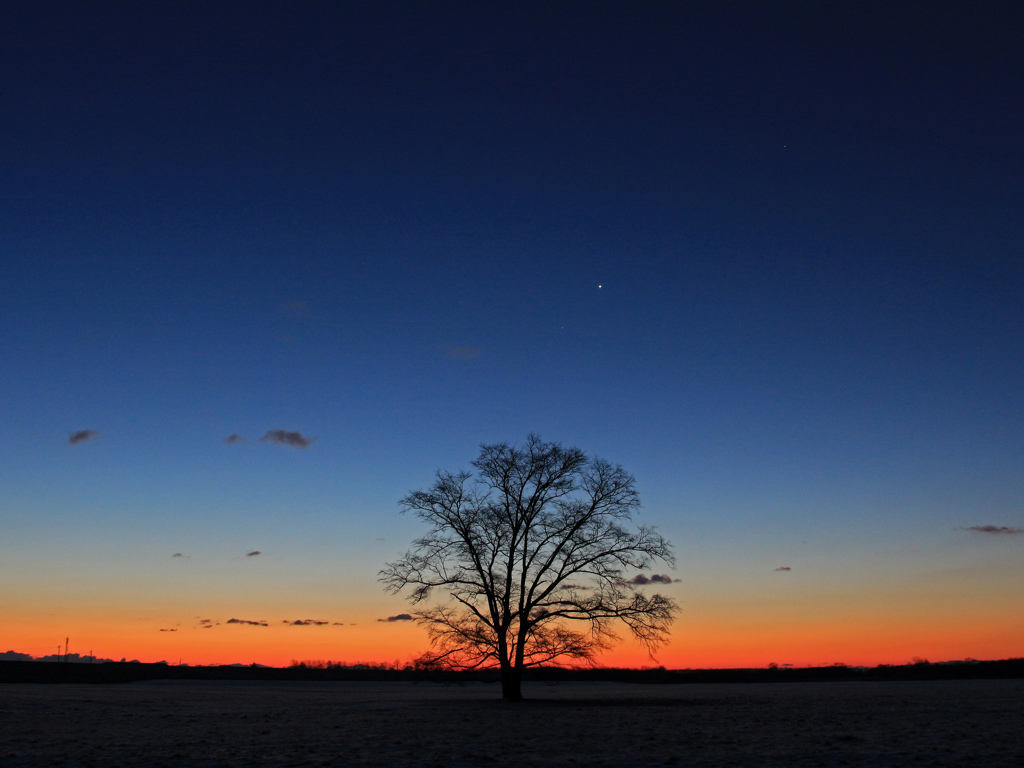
[{"x": 125, "y": 672}]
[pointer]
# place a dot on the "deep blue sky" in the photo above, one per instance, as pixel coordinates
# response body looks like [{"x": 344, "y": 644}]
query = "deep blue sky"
[{"x": 768, "y": 257}]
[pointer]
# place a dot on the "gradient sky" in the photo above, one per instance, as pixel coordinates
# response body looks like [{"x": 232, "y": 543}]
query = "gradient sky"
[{"x": 768, "y": 257}]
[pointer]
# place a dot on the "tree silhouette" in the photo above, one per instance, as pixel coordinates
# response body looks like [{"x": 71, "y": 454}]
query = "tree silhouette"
[{"x": 532, "y": 542}]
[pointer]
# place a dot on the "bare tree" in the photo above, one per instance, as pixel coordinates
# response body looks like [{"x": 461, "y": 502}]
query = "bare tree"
[{"x": 533, "y": 542}]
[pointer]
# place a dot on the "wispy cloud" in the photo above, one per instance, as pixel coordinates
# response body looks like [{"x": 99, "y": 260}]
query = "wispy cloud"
[
  {"x": 253, "y": 553},
  {"x": 283, "y": 437},
  {"x": 463, "y": 353},
  {"x": 233, "y": 438},
  {"x": 179, "y": 555},
  {"x": 209, "y": 623},
  {"x": 399, "y": 617},
  {"x": 655, "y": 578},
  {"x": 74, "y": 438},
  {"x": 168, "y": 630},
  {"x": 299, "y": 310},
  {"x": 998, "y": 530},
  {"x": 783, "y": 568}
]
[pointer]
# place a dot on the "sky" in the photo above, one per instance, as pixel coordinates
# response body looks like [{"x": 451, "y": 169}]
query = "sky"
[{"x": 266, "y": 267}]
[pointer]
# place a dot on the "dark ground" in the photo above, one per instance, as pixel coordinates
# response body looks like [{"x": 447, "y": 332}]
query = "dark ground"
[
  {"x": 198, "y": 724},
  {"x": 123, "y": 672}
]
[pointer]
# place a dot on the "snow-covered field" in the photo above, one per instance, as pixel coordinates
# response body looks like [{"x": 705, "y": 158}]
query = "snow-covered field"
[{"x": 192, "y": 723}]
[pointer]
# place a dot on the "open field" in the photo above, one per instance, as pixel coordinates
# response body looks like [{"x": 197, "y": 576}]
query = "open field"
[{"x": 201, "y": 723}]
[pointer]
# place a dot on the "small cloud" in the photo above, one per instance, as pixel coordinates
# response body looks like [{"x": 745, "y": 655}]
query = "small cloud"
[
  {"x": 233, "y": 438},
  {"x": 399, "y": 617},
  {"x": 299, "y": 310},
  {"x": 306, "y": 623},
  {"x": 463, "y": 353},
  {"x": 998, "y": 530},
  {"x": 283, "y": 437},
  {"x": 206, "y": 621},
  {"x": 656, "y": 578},
  {"x": 168, "y": 630},
  {"x": 254, "y": 553},
  {"x": 247, "y": 622},
  {"x": 380, "y": 538},
  {"x": 783, "y": 568},
  {"x": 339, "y": 624},
  {"x": 74, "y": 438}
]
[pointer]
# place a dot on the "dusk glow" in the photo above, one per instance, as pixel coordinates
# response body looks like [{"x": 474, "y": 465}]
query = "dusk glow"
[{"x": 266, "y": 267}]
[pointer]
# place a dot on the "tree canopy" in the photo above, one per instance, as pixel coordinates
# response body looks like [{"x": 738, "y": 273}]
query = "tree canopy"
[{"x": 528, "y": 559}]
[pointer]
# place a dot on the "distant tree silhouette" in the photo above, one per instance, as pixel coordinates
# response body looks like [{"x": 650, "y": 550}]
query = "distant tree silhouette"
[{"x": 532, "y": 542}]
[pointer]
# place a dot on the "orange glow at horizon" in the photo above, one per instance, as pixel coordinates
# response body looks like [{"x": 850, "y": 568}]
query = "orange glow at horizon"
[
  {"x": 716, "y": 644},
  {"x": 800, "y": 622}
]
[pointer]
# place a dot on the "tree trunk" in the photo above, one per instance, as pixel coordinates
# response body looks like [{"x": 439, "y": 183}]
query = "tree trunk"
[{"x": 511, "y": 683}]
